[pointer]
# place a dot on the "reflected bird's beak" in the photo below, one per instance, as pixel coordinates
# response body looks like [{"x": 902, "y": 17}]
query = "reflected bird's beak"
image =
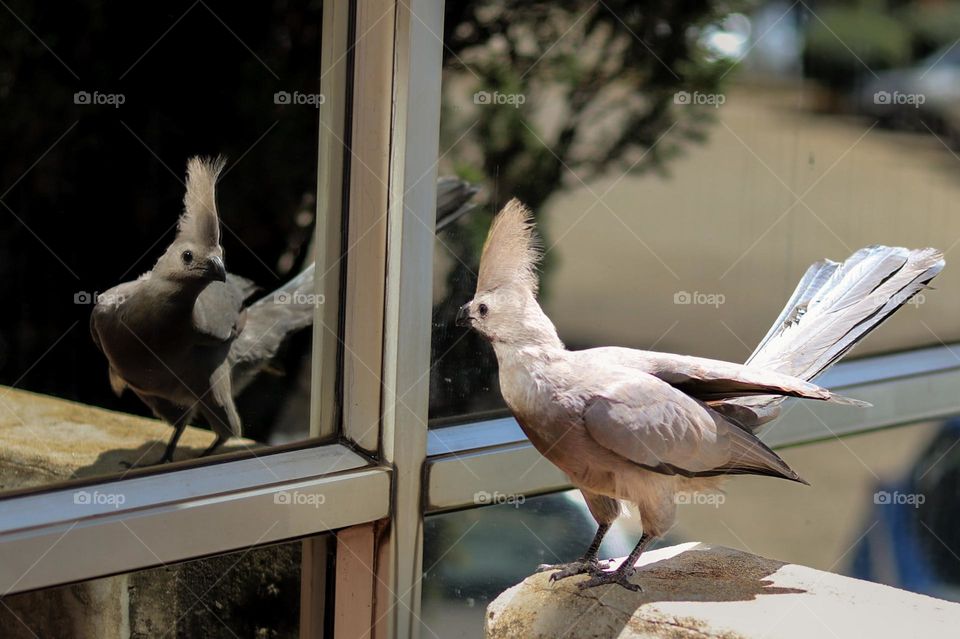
[
  {"x": 215, "y": 270},
  {"x": 463, "y": 316}
]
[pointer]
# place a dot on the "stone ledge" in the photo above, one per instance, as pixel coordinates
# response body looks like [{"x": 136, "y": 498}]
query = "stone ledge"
[
  {"x": 46, "y": 439},
  {"x": 696, "y": 590}
]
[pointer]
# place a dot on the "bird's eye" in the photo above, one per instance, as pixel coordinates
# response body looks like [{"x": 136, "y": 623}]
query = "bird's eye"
[
  {"x": 187, "y": 257},
  {"x": 483, "y": 310}
]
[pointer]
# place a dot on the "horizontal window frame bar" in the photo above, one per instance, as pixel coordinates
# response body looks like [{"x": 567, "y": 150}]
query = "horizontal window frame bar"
[
  {"x": 49, "y": 539},
  {"x": 470, "y": 461}
]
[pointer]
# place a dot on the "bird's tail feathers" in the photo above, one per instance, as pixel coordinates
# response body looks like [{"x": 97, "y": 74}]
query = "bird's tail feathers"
[{"x": 836, "y": 305}]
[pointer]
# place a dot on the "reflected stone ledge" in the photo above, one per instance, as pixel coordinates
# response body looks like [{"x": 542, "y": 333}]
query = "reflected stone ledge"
[
  {"x": 46, "y": 439},
  {"x": 698, "y": 590}
]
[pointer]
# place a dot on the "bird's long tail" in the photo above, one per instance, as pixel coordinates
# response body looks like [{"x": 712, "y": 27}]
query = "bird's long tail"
[
  {"x": 836, "y": 305},
  {"x": 270, "y": 321}
]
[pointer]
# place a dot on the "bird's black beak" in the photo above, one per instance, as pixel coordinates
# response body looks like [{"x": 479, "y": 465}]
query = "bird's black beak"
[
  {"x": 463, "y": 315},
  {"x": 214, "y": 270}
]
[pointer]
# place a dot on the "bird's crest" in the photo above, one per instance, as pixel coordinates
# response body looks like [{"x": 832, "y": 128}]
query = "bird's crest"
[
  {"x": 511, "y": 252},
  {"x": 199, "y": 222}
]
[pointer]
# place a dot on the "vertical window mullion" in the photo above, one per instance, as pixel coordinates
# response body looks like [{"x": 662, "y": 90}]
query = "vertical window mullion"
[
  {"x": 412, "y": 212},
  {"x": 368, "y": 150},
  {"x": 335, "y": 45}
]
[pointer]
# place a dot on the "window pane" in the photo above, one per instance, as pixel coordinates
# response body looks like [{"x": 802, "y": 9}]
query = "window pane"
[
  {"x": 252, "y": 593},
  {"x": 685, "y": 169},
  {"x": 881, "y": 506},
  {"x": 103, "y": 105},
  {"x": 471, "y": 556}
]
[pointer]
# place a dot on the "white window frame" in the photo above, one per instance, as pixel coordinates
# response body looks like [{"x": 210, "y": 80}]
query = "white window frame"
[{"x": 382, "y": 471}]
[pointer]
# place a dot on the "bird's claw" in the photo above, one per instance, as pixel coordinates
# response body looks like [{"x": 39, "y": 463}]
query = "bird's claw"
[
  {"x": 619, "y": 577},
  {"x": 571, "y": 569}
]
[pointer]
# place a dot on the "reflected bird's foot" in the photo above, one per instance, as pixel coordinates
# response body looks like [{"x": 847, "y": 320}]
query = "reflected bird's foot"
[
  {"x": 571, "y": 569},
  {"x": 619, "y": 576}
]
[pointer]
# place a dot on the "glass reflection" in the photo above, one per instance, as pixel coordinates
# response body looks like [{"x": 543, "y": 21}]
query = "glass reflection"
[{"x": 103, "y": 106}]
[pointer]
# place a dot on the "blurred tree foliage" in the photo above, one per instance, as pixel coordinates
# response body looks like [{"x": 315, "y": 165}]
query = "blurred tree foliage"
[
  {"x": 932, "y": 25},
  {"x": 598, "y": 83},
  {"x": 843, "y": 42}
]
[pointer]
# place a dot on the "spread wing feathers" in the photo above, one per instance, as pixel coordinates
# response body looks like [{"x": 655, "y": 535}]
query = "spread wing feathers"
[
  {"x": 453, "y": 200},
  {"x": 836, "y": 305},
  {"x": 654, "y": 425},
  {"x": 199, "y": 222},
  {"x": 269, "y": 322},
  {"x": 511, "y": 252},
  {"x": 217, "y": 313},
  {"x": 709, "y": 379}
]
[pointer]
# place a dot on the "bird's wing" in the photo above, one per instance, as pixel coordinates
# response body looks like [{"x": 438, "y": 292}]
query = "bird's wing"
[
  {"x": 217, "y": 314},
  {"x": 107, "y": 304},
  {"x": 655, "y": 425},
  {"x": 453, "y": 200},
  {"x": 269, "y": 322},
  {"x": 710, "y": 379}
]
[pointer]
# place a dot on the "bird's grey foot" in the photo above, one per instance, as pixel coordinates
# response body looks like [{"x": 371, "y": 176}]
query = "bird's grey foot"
[
  {"x": 572, "y": 569},
  {"x": 619, "y": 576}
]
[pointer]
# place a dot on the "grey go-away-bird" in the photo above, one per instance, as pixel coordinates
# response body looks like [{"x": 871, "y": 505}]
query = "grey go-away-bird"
[
  {"x": 180, "y": 337},
  {"x": 642, "y": 427}
]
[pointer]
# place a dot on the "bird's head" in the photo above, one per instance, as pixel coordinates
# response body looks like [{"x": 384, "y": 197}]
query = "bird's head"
[
  {"x": 504, "y": 308},
  {"x": 196, "y": 255}
]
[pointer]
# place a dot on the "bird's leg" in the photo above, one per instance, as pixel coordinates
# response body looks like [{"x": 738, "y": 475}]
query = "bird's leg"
[
  {"x": 172, "y": 444},
  {"x": 221, "y": 417},
  {"x": 214, "y": 446},
  {"x": 587, "y": 564},
  {"x": 621, "y": 575},
  {"x": 173, "y": 415}
]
